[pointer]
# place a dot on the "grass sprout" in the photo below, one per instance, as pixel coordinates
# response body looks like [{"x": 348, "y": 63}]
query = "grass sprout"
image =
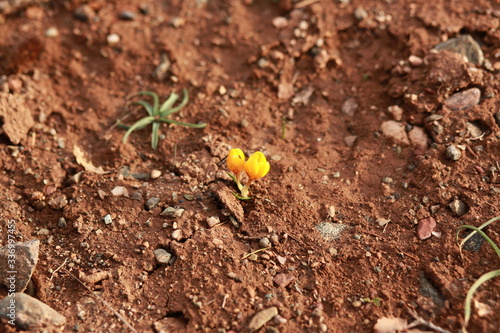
[
  {"x": 485, "y": 277},
  {"x": 158, "y": 114}
]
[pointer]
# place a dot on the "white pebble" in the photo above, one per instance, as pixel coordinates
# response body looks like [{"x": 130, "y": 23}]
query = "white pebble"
[
  {"x": 52, "y": 32},
  {"x": 119, "y": 191},
  {"x": 112, "y": 39},
  {"x": 155, "y": 174}
]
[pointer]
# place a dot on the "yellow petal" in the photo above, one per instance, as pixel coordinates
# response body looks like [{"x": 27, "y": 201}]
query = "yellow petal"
[
  {"x": 236, "y": 160},
  {"x": 257, "y": 166}
]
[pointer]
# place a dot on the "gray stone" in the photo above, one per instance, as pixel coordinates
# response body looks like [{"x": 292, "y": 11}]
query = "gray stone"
[
  {"x": 330, "y": 231},
  {"x": 458, "y": 207},
  {"x": 172, "y": 212},
  {"x": 162, "y": 256},
  {"x": 497, "y": 118},
  {"x": 62, "y": 223},
  {"x": 151, "y": 203},
  {"x": 58, "y": 202},
  {"x": 349, "y": 107},
  {"x": 428, "y": 290},
  {"x": 264, "y": 242},
  {"x": 464, "y": 99},
  {"x": 453, "y": 153},
  {"x": 474, "y": 243},
  {"x": 25, "y": 258},
  {"x": 29, "y": 312},
  {"x": 464, "y": 45},
  {"x": 127, "y": 15}
]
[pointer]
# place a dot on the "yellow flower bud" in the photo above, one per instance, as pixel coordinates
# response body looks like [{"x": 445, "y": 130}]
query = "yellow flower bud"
[
  {"x": 236, "y": 160},
  {"x": 257, "y": 166}
]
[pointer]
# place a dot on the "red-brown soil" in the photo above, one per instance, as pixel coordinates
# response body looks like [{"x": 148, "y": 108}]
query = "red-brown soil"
[{"x": 260, "y": 88}]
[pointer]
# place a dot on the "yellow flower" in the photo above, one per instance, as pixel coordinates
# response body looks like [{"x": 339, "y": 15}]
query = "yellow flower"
[
  {"x": 236, "y": 160},
  {"x": 257, "y": 166}
]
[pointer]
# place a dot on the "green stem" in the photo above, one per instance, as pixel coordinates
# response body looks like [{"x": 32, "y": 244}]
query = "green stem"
[
  {"x": 238, "y": 181},
  {"x": 246, "y": 189}
]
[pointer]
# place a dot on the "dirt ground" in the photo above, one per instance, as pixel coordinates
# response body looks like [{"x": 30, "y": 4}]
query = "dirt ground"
[{"x": 351, "y": 105}]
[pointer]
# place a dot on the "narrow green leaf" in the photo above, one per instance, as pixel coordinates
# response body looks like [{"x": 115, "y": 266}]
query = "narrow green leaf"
[
  {"x": 488, "y": 239},
  {"x": 154, "y": 135},
  {"x": 147, "y": 106},
  {"x": 138, "y": 124},
  {"x": 165, "y": 107},
  {"x": 184, "y": 102},
  {"x": 484, "y": 225},
  {"x": 468, "y": 299},
  {"x": 166, "y": 120},
  {"x": 156, "y": 101}
]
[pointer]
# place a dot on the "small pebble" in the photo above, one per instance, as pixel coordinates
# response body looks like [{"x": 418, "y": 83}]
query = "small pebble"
[
  {"x": 276, "y": 158},
  {"x": 58, "y": 202},
  {"x": 162, "y": 256},
  {"x": 283, "y": 280},
  {"x": 119, "y": 191},
  {"x": 155, "y": 174},
  {"x": 84, "y": 13},
  {"x": 178, "y": 22},
  {"x": 127, "y": 15},
  {"x": 453, "y": 153},
  {"x": 357, "y": 237},
  {"x": 217, "y": 241},
  {"x": 280, "y": 22},
  {"x": 350, "y": 140},
  {"x": 458, "y": 207},
  {"x": 107, "y": 219},
  {"x": 464, "y": 45},
  {"x": 112, "y": 39},
  {"x": 62, "y": 223},
  {"x": 151, "y": 203},
  {"x": 263, "y": 63},
  {"x": 43, "y": 232},
  {"x": 212, "y": 221},
  {"x": 356, "y": 304},
  {"x": 52, "y": 32},
  {"x": 274, "y": 238},
  {"x": 172, "y": 212},
  {"x": 349, "y": 107},
  {"x": 419, "y": 138},
  {"x": 415, "y": 61},
  {"x": 177, "y": 234},
  {"x": 264, "y": 242},
  {"x": 137, "y": 195},
  {"x": 497, "y": 118},
  {"x": 425, "y": 228},
  {"x": 463, "y": 99},
  {"x": 396, "y": 112},
  {"x": 360, "y": 13},
  {"x": 382, "y": 222},
  {"x": 15, "y": 84},
  {"x": 331, "y": 211},
  {"x": 395, "y": 131}
]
